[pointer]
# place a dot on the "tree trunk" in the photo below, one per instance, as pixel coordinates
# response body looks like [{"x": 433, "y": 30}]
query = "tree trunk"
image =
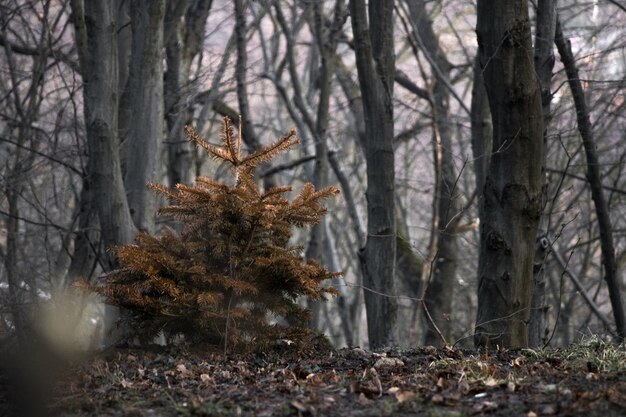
[
  {"x": 375, "y": 62},
  {"x": 247, "y": 127},
  {"x": 96, "y": 39},
  {"x": 145, "y": 87},
  {"x": 544, "y": 62},
  {"x": 86, "y": 241},
  {"x": 96, "y": 32},
  {"x": 482, "y": 133},
  {"x": 441, "y": 282},
  {"x": 183, "y": 40},
  {"x": 327, "y": 45},
  {"x": 512, "y": 193},
  {"x": 595, "y": 182}
]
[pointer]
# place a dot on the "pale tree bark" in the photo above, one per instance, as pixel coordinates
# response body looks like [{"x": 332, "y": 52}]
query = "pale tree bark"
[
  {"x": 184, "y": 27},
  {"x": 538, "y": 331},
  {"x": 512, "y": 192},
  {"x": 374, "y": 50},
  {"x": 442, "y": 278},
  {"x": 145, "y": 88},
  {"x": 96, "y": 38},
  {"x": 124, "y": 54},
  {"x": 595, "y": 182}
]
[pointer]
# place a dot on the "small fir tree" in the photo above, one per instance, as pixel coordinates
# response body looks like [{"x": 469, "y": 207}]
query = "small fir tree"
[{"x": 230, "y": 272}]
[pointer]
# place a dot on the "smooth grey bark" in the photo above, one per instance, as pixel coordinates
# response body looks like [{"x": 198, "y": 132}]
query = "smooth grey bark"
[
  {"x": 184, "y": 27},
  {"x": 145, "y": 88},
  {"x": 538, "y": 331},
  {"x": 442, "y": 278},
  {"x": 482, "y": 133},
  {"x": 124, "y": 54},
  {"x": 407, "y": 263},
  {"x": 375, "y": 61},
  {"x": 96, "y": 39},
  {"x": 595, "y": 181},
  {"x": 512, "y": 192}
]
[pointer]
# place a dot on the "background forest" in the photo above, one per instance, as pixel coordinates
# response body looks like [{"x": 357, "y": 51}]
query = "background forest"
[{"x": 391, "y": 107}]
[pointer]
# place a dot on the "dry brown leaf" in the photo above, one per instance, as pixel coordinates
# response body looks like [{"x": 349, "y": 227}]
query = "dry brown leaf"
[{"x": 184, "y": 372}]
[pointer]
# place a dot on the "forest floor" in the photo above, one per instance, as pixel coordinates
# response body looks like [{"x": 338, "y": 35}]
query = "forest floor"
[{"x": 587, "y": 379}]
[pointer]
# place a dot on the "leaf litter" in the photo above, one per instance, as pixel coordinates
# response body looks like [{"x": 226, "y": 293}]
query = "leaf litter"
[{"x": 585, "y": 380}]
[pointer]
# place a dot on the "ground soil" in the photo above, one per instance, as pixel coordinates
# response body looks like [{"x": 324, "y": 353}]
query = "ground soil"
[{"x": 289, "y": 381}]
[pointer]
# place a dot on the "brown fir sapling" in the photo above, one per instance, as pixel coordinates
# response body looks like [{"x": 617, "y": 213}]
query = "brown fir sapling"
[{"x": 231, "y": 271}]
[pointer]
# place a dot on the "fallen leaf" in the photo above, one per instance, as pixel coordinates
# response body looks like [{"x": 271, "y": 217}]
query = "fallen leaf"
[
  {"x": 388, "y": 362},
  {"x": 184, "y": 372}
]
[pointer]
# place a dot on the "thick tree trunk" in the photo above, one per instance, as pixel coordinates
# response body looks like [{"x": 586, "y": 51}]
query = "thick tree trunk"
[
  {"x": 595, "y": 182},
  {"x": 96, "y": 32},
  {"x": 96, "y": 39},
  {"x": 375, "y": 61},
  {"x": 512, "y": 193},
  {"x": 544, "y": 62},
  {"x": 145, "y": 88}
]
